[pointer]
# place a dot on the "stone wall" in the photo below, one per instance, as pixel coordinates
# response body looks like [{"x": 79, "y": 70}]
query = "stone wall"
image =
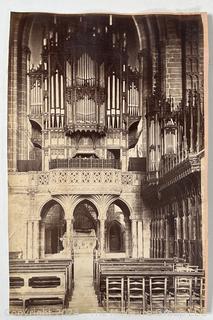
[{"x": 29, "y": 192}]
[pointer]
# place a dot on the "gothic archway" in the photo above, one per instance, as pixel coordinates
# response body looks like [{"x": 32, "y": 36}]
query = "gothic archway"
[
  {"x": 53, "y": 228},
  {"x": 85, "y": 225},
  {"x": 118, "y": 228}
]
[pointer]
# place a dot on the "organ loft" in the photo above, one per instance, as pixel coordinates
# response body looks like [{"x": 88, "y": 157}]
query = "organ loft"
[{"x": 106, "y": 140}]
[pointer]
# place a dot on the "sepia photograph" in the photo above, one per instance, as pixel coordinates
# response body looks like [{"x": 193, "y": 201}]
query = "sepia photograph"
[{"x": 107, "y": 163}]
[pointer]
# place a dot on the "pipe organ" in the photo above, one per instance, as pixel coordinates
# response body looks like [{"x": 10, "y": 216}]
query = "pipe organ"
[
  {"x": 85, "y": 71},
  {"x": 133, "y": 100},
  {"x": 133, "y": 93},
  {"x": 173, "y": 133},
  {"x": 79, "y": 77},
  {"x": 35, "y": 93},
  {"x": 84, "y": 85}
]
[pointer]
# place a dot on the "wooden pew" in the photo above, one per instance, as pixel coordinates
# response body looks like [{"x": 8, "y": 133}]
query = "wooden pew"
[
  {"x": 40, "y": 280},
  {"x": 65, "y": 263},
  {"x": 36, "y": 285},
  {"x": 55, "y": 265}
]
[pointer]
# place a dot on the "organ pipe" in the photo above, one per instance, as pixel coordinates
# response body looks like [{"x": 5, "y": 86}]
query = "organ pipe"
[
  {"x": 57, "y": 89},
  {"x": 57, "y": 117},
  {"x": 108, "y": 95},
  {"x": 36, "y": 93},
  {"x": 52, "y": 92},
  {"x": 113, "y": 91},
  {"x": 123, "y": 101},
  {"x": 110, "y": 20},
  {"x": 124, "y": 86},
  {"x": 62, "y": 93},
  {"x": 45, "y": 84},
  {"x": 118, "y": 93},
  {"x": 45, "y": 104}
]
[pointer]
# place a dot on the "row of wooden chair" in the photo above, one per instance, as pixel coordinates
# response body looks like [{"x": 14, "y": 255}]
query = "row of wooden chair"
[
  {"x": 128, "y": 265},
  {"x": 158, "y": 293}
]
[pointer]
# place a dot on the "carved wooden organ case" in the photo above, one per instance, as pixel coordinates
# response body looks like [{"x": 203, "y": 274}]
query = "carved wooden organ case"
[{"x": 84, "y": 84}]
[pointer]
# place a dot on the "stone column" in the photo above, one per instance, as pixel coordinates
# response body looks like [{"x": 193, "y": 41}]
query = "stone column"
[
  {"x": 69, "y": 242},
  {"x": 140, "y": 240},
  {"x": 102, "y": 236},
  {"x": 42, "y": 240},
  {"x": 134, "y": 239},
  {"x": 127, "y": 238},
  {"x": 25, "y": 252},
  {"x": 29, "y": 240},
  {"x": 22, "y": 105},
  {"x": 36, "y": 239},
  {"x": 12, "y": 96}
]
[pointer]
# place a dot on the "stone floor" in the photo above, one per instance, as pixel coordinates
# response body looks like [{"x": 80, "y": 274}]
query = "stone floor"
[{"x": 84, "y": 299}]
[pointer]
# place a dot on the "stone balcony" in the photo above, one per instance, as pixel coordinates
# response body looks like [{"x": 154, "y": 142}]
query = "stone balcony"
[{"x": 75, "y": 181}]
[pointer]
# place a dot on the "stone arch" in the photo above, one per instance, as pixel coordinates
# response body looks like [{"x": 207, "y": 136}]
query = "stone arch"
[
  {"x": 119, "y": 211},
  {"x": 53, "y": 228},
  {"x": 88, "y": 205},
  {"x": 85, "y": 226},
  {"x": 89, "y": 199},
  {"x": 140, "y": 26},
  {"x": 138, "y": 32},
  {"x": 48, "y": 200},
  {"x": 123, "y": 204}
]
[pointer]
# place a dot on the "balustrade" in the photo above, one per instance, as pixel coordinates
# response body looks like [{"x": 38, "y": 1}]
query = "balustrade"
[{"x": 85, "y": 163}]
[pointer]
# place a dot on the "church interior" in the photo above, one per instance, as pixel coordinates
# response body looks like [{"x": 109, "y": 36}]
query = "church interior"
[{"x": 105, "y": 160}]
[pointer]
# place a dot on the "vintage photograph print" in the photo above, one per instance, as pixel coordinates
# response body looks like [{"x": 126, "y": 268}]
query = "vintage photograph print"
[{"x": 106, "y": 163}]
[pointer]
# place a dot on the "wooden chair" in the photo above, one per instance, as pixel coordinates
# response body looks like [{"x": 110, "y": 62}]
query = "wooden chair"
[
  {"x": 158, "y": 293},
  {"x": 136, "y": 294},
  {"x": 198, "y": 295},
  {"x": 115, "y": 293},
  {"x": 182, "y": 294}
]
